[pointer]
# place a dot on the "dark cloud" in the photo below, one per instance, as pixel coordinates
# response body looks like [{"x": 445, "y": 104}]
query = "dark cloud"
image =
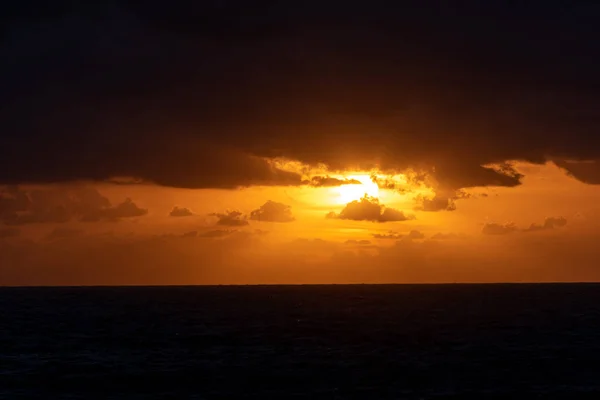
[
  {"x": 437, "y": 203},
  {"x": 369, "y": 209},
  {"x": 60, "y": 205},
  {"x": 586, "y": 171},
  {"x": 549, "y": 223},
  {"x": 328, "y": 181},
  {"x": 230, "y": 218},
  {"x": 492, "y": 228},
  {"x": 272, "y": 211},
  {"x": 126, "y": 209},
  {"x": 443, "y": 200},
  {"x": 190, "y": 234},
  {"x": 390, "y": 235},
  {"x": 310, "y": 81},
  {"x": 181, "y": 212}
]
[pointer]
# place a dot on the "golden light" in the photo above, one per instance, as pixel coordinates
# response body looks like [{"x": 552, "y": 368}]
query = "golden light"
[{"x": 347, "y": 193}]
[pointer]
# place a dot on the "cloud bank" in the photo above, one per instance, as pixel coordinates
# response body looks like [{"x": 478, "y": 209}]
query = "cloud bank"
[{"x": 319, "y": 85}]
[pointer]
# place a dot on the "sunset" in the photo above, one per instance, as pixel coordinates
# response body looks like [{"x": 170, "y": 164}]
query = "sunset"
[{"x": 229, "y": 199}]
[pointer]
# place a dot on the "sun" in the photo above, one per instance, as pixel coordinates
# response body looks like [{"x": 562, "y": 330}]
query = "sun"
[{"x": 347, "y": 193}]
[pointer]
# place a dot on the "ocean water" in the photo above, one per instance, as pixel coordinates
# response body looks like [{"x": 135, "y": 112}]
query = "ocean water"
[{"x": 301, "y": 342}]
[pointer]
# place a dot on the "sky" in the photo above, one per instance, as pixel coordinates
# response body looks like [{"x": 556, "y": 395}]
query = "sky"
[{"x": 219, "y": 142}]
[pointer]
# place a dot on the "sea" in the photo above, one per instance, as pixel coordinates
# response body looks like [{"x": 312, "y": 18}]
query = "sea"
[{"x": 489, "y": 341}]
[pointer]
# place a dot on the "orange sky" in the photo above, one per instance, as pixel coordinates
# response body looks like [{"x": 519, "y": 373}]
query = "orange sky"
[
  {"x": 140, "y": 146},
  {"x": 489, "y": 237}
]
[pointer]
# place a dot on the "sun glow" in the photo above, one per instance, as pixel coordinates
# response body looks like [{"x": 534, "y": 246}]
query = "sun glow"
[{"x": 347, "y": 193}]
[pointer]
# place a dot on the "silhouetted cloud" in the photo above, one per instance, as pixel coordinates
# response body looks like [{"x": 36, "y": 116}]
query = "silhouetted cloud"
[
  {"x": 181, "y": 212},
  {"x": 230, "y": 218},
  {"x": 585, "y": 171},
  {"x": 437, "y": 203},
  {"x": 493, "y": 228},
  {"x": 390, "y": 235},
  {"x": 328, "y": 181},
  {"x": 60, "y": 205},
  {"x": 517, "y": 99},
  {"x": 272, "y": 211},
  {"x": 549, "y": 223},
  {"x": 369, "y": 209},
  {"x": 126, "y": 209}
]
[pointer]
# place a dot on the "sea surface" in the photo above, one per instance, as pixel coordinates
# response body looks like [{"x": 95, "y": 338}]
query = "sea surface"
[{"x": 301, "y": 342}]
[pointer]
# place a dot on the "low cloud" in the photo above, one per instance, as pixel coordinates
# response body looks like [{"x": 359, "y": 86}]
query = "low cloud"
[
  {"x": 503, "y": 229},
  {"x": 126, "y": 209},
  {"x": 437, "y": 203},
  {"x": 442, "y": 201},
  {"x": 493, "y": 228},
  {"x": 230, "y": 218},
  {"x": 180, "y": 212},
  {"x": 369, "y": 209},
  {"x": 60, "y": 205},
  {"x": 390, "y": 235},
  {"x": 272, "y": 211},
  {"x": 549, "y": 223},
  {"x": 328, "y": 181}
]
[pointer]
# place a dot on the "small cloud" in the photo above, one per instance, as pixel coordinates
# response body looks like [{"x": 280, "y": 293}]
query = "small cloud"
[
  {"x": 549, "y": 223},
  {"x": 272, "y": 211},
  {"x": 190, "y": 234},
  {"x": 181, "y": 212},
  {"x": 390, "y": 235},
  {"x": 387, "y": 183},
  {"x": 369, "y": 209},
  {"x": 260, "y": 232},
  {"x": 230, "y": 218},
  {"x": 328, "y": 181},
  {"x": 498, "y": 229},
  {"x": 437, "y": 203},
  {"x": 126, "y": 209}
]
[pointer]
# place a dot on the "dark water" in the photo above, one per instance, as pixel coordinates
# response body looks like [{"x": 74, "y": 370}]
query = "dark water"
[{"x": 288, "y": 342}]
